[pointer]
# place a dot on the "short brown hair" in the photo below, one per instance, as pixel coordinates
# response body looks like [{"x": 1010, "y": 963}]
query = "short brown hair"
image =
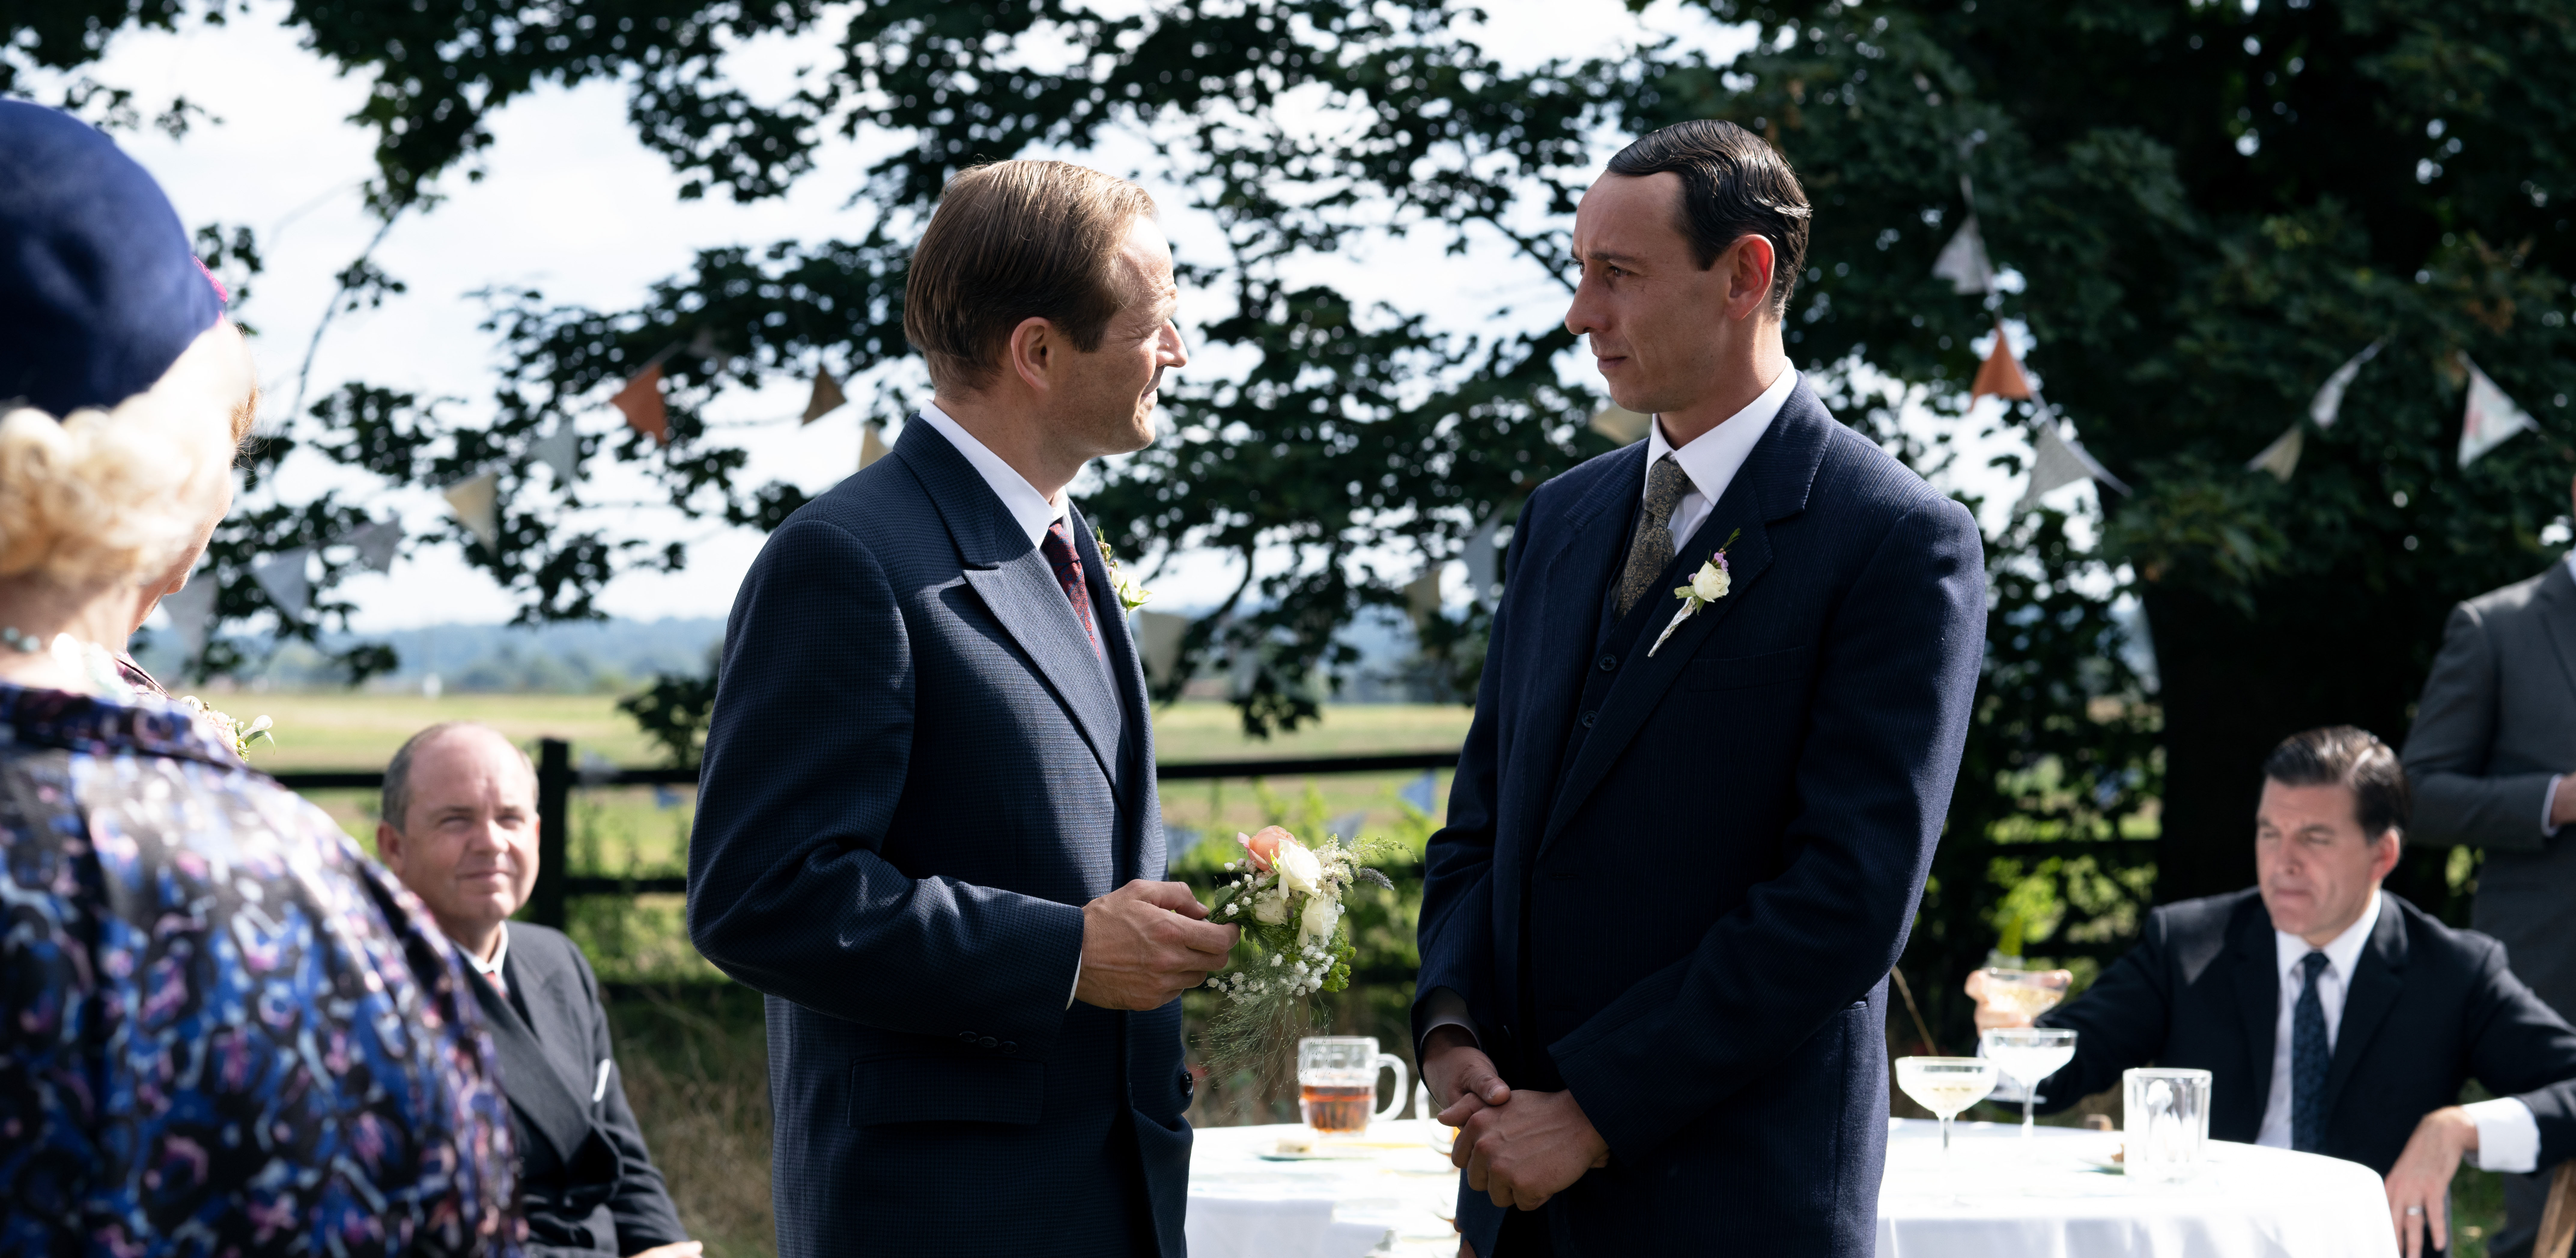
[
  {"x": 2342, "y": 755},
  {"x": 1013, "y": 241},
  {"x": 1733, "y": 186},
  {"x": 397, "y": 792}
]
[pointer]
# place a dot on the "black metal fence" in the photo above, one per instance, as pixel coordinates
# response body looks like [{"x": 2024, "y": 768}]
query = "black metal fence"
[{"x": 557, "y": 778}]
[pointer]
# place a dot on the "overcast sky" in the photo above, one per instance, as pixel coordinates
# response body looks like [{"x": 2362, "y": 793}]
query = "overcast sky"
[{"x": 572, "y": 205}]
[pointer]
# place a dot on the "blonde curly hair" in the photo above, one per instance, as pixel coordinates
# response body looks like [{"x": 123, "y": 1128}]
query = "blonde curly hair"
[{"x": 101, "y": 497}]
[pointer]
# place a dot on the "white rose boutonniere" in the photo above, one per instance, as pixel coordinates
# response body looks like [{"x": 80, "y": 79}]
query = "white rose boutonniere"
[
  {"x": 1707, "y": 585},
  {"x": 241, "y": 733},
  {"x": 1131, "y": 593}
]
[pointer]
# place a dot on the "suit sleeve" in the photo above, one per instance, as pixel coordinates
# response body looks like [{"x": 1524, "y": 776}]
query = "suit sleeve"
[
  {"x": 2119, "y": 1022},
  {"x": 1456, "y": 936},
  {"x": 2446, "y": 751},
  {"x": 2519, "y": 1047},
  {"x": 642, "y": 1203},
  {"x": 1889, "y": 716},
  {"x": 807, "y": 756}
]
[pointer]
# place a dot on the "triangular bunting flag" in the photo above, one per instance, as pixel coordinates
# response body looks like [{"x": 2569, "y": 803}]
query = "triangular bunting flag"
[
  {"x": 825, "y": 398},
  {"x": 2056, "y": 461},
  {"x": 281, "y": 577},
  {"x": 560, "y": 450},
  {"x": 2282, "y": 456},
  {"x": 641, "y": 400},
  {"x": 703, "y": 345},
  {"x": 476, "y": 503},
  {"x": 2001, "y": 373},
  {"x": 2328, "y": 402},
  {"x": 1422, "y": 597},
  {"x": 192, "y": 613},
  {"x": 2491, "y": 419},
  {"x": 871, "y": 446},
  {"x": 376, "y": 543},
  {"x": 1158, "y": 641},
  {"x": 1963, "y": 261},
  {"x": 1620, "y": 424}
]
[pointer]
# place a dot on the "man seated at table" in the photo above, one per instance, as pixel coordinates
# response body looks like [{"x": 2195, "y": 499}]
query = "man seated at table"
[
  {"x": 2333, "y": 1017},
  {"x": 460, "y": 830}
]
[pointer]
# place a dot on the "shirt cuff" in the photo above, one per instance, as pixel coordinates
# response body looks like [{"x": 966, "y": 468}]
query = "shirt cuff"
[
  {"x": 1077, "y": 980},
  {"x": 1445, "y": 1007},
  {"x": 2508, "y": 1136},
  {"x": 2547, "y": 799}
]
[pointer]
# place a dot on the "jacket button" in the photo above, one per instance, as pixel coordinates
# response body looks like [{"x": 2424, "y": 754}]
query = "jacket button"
[
  {"x": 965, "y": 1037},
  {"x": 1189, "y": 1085},
  {"x": 1609, "y": 662},
  {"x": 1010, "y": 1046},
  {"x": 1588, "y": 719},
  {"x": 989, "y": 1042}
]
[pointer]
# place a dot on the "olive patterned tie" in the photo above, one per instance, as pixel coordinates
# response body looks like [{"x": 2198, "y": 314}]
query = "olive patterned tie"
[
  {"x": 1652, "y": 551},
  {"x": 2309, "y": 1058}
]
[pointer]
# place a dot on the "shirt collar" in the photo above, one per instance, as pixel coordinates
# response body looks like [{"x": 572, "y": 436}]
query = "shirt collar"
[
  {"x": 1029, "y": 508},
  {"x": 2342, "y": 952},
  {"x": 500, "y": 953},
  {"x": 1712, "y": 458}
]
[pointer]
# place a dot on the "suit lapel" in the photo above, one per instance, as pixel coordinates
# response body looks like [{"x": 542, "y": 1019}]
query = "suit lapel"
[
  {"x": 546, "y": 1104},
  {"x": 2376, "y": 981},
  {"x": 1016, "y": 584},
  {"x": 2256, "y": 975},
  {"x": 2558, "y": 611},
  {"x": 1133, "y": 709},
  {"x": 1571, "y": 571},
  {"x": 1772, "y": 485}
]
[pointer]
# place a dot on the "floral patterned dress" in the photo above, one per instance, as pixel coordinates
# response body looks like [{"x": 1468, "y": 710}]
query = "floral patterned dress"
[{"x": 223, "y": 1029}]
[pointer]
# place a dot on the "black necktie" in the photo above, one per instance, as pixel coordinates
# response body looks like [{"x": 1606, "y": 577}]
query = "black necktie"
[{"x": 2308, "y": 1060}]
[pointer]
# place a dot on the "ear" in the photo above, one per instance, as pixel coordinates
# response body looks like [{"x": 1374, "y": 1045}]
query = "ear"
[
  {"x": 2391, "y": 845},
  {"x": 389, "y": 849},
  {"x": 1033, "y": 348},
  {"x": 1748, "y": 262}
]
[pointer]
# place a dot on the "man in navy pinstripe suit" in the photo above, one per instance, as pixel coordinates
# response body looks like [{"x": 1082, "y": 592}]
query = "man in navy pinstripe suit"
[
  {"x": 1687, "y": 838},
  {"x": 927, "y": 826}
]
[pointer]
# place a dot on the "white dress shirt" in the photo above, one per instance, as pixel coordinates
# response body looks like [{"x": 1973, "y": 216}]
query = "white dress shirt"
[
  {"x": 492, "y": 969},
  {"x": 1035, "y": 515},
  {"x": 2508, "y": 1135},
  {"x": 1711, "y": 461}
]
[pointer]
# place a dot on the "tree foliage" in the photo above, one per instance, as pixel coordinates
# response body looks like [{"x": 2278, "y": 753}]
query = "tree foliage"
[{"x": 2205, "y": 207}]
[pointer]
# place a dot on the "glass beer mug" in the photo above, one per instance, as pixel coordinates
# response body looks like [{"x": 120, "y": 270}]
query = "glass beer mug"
[{"x": 1337, "y": 1083}]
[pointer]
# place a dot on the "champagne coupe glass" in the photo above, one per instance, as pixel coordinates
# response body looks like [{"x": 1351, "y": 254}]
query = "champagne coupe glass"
[
  {"x": 2029, "y": 993},
  {"x": 1945, "y": 1086},
  {"x": 2030, "y": 1054}
]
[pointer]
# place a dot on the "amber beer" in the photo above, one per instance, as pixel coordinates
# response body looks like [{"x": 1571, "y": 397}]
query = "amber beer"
[
  {"x": 1334, "y": 1109},
  {"x": 1337, "y": 1083}
]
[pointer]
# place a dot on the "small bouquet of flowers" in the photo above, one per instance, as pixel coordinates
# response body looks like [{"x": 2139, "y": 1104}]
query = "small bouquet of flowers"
[
  {"x": 241, "y": 733},
  {"x": 1287, "y": 897}
]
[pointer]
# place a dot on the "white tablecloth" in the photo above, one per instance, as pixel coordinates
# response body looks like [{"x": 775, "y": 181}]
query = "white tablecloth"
[
  {"x": 1999, "y": 1198},
  {"x": 2008, "y": 1199}
]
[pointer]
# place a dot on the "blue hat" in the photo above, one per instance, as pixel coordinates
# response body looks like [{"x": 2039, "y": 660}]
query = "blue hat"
[{"x": 99, "y": 291}]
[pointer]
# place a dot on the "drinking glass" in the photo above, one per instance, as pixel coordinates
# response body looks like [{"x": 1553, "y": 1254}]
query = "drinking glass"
[
  {"x": 1945, "y": 1085},
  {"x": 2029, "y": 993},
  {"x": 1337, "y": 1083},
  {"x": 2029, "y": 1054},
  {"x": 2164, "y": 1121}
]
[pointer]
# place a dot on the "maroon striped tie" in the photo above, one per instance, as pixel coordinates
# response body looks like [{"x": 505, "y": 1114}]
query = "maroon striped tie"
[{"x": 1067, "y": 562}]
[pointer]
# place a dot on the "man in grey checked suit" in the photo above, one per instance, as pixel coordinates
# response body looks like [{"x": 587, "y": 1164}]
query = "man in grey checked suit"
[
  {"x": 927, "y": 826},
  {"x": 2493, "y": 759}
]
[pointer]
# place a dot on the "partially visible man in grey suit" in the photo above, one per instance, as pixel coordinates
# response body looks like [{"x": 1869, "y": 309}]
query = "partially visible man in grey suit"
[
  {"x": 460, "y": 829},
  {"x": 2493, "y": 759}
]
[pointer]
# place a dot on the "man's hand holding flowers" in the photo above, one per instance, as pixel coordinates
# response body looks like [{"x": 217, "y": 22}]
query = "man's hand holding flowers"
[{"x": 1146, "y": 943}]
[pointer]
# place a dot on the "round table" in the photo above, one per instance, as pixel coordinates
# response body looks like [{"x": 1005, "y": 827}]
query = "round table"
[{"x": 1996, "y": 1196}]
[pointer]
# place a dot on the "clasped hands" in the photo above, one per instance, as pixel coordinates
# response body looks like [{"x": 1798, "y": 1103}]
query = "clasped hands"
[
  {"x": 1518, "y": 1147},
  {"x": 1146, "y": 943}
]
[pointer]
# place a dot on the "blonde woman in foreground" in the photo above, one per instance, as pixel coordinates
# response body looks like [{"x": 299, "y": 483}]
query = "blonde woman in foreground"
[{"x": 222, "y": 1028}]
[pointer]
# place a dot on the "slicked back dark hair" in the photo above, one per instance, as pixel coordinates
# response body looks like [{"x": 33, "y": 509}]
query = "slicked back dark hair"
[
  {"x": 2342, "y": 755},
  {"x": 1733, "y": 186}
]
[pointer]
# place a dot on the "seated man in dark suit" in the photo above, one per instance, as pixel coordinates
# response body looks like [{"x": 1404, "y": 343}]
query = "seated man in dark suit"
[
  {"x": 460, "y": 830},
  {"x": 2333, "y": 1017}
]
